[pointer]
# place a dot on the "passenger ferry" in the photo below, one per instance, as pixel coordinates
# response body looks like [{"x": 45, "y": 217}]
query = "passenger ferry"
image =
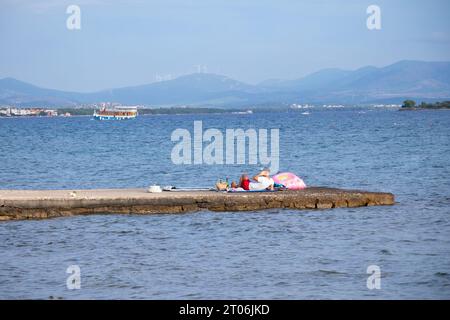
[{"x": 116, "y": 113}]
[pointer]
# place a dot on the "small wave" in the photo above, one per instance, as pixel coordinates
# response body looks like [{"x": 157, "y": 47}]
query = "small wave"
[{"x": 331, "y": 272}]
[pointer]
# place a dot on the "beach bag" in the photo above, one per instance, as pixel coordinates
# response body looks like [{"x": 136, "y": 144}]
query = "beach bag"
[{"x": 221, "y": 186}]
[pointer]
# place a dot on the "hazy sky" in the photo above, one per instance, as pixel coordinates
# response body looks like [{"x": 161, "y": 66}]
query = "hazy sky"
[{"x": 123, "y": 43}]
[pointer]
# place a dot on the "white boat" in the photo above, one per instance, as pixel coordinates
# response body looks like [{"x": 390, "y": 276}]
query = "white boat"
[
  {"x": 243, "y": 112},
  {"x": 116, "y": 113}
]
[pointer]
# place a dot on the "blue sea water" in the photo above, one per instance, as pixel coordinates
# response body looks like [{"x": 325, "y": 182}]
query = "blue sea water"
[{"x": 273, "y": 254}]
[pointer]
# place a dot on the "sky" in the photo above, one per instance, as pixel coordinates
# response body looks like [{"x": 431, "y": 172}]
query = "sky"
[{"x": 125, "y": 43}]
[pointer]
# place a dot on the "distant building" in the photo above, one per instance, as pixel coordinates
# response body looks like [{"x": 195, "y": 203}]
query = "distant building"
[{"x": 51, "y": 113}]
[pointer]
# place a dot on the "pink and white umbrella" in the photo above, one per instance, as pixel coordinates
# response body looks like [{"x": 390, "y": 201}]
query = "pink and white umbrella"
[{"x": 289, "y": 180}]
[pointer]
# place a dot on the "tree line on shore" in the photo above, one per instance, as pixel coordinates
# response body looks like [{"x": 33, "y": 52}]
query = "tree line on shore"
[{"x": 411, "y": 104}]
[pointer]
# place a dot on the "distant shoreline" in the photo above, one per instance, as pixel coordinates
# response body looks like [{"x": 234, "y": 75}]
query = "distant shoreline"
[
  {"x": 88, "y": 112},
  {"x": 140, "y": 114},
  {"x": 423, "y": 109},
  {"x": 410, "y": 105},
  {"x": 85, "y": 112}
]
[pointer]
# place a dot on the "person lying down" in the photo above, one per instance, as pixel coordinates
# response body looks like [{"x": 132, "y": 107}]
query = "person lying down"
[{"x": 262, "y": 181}]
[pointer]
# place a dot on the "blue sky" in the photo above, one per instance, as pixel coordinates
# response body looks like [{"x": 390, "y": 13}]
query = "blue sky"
[{"x": 124, "y": 43}]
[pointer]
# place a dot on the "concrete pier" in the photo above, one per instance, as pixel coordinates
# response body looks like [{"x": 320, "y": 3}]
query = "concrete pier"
[{"x": 41, "y": 204}]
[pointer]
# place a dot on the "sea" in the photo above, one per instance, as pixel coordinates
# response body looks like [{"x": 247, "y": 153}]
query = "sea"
[{"x": 383, "y": 252}]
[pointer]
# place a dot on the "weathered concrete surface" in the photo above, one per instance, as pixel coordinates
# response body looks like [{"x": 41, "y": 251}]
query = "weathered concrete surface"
[{"x": 40, "y": 204}]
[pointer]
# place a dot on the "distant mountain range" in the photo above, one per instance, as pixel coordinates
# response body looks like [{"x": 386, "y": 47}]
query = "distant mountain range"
[{"x": 417, "y": 80}]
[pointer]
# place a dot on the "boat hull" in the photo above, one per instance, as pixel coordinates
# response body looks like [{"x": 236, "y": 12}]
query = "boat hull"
[{"x": 111, "y": 117}]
